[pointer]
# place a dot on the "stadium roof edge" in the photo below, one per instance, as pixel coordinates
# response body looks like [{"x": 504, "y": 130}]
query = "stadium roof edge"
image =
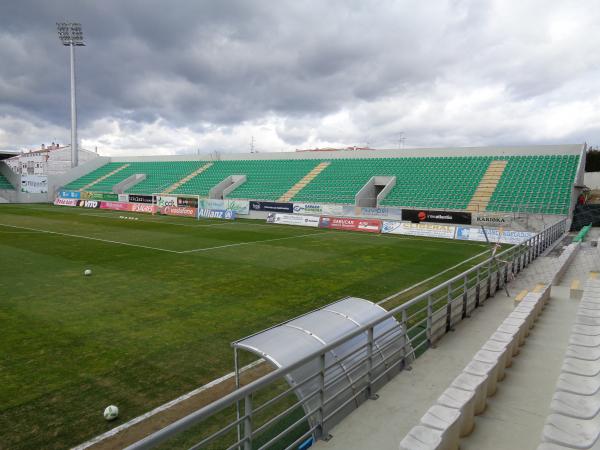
[{"x": 559, "y": 149}]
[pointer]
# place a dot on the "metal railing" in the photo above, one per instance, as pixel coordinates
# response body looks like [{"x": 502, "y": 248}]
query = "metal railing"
[{"x": 426, "y": 318}]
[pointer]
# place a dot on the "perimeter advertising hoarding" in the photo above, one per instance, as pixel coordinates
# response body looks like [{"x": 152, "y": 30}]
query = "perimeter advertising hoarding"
[
  {"x": 65, "y": 201},
  {"x": 491, "y": 220},
  {"x": 137, "y": 198},
  {"x": 143, "y": 208},
  {"x": 226, "y": 214},
  {"x": 318, "y": 209},
  {"x": 69, "y": 194},
  {"x": 88, "y": 203},
  {"x": 124, "y": 198},
  {"x": 34, "y": 184},
  {"x": 166, "y": 200},
  {"x": 493, "y": 234},
  {"x": 293, "y": 219},
  {"x": 419, "y": 229},
  {"x": 425, "y": 215},
  {"x": 187, "y": 201},
  {"x": 116, "y": 206},
  {"x": 241, "y": 207},
  {"x": 379, "y": 213},
  {"x": 184, "y": 211},
  {"x": 345, "y": 223},
  {"x": 99, "y": 196},
  {"x": 272, "y": 207}
]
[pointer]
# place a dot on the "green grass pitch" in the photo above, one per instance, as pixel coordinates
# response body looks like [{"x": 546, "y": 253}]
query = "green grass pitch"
[{"x": 166, "y": 298}]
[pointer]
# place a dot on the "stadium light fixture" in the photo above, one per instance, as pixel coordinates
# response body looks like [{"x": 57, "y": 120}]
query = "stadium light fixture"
[{"x": 71, "y": 35}]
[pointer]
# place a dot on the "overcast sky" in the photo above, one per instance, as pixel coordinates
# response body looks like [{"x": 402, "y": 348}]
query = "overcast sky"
[{"x": 160, "y": 77}]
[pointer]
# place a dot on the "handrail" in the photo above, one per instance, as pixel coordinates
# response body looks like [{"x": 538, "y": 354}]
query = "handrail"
[{"x": 533, "y": 247}]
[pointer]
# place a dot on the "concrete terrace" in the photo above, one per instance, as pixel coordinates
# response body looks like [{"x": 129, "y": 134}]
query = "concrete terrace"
[{"x": 515, "y": 415}]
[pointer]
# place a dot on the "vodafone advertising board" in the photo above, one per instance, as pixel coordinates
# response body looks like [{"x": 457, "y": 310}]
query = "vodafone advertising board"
[
  {"x": 184, "y": 211},
  {"x": 344, "y": 223}
]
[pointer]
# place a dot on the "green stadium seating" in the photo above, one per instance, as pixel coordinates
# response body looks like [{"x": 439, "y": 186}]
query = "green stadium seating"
[
  {"x": 528, "y": 183},
  {"x": 4, "y": 184}
]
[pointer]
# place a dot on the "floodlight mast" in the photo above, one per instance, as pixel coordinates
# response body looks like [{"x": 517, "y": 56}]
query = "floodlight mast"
[{"x": 71, "y": 35}]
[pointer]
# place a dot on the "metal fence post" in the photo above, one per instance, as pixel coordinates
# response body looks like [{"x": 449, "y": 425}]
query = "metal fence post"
[
  {"x": 248, "y": 422},
  {"x": 429, "y": 319},
  {"x": 465, "y": 297},
  {"x": 449, "y": 309},
  {"x": 477, "y": 288},
  {"x": 370, "y": 364},
  {"x": 324, "y": 432}
]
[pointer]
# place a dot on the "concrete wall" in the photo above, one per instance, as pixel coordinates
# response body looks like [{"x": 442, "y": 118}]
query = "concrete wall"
[
  {"x": 58, "y": 181},
  {"x": 567, "y": 149},
  {"x": 592, "y": 180}
]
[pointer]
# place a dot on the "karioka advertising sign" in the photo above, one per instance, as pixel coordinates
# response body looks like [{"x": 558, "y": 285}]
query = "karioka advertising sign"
[
  {"x": 491, "y": 220},
  {"x": 184, "y": 211},
  {"x": 424, "y": 215},
  {"x": 344, "y": 223}
]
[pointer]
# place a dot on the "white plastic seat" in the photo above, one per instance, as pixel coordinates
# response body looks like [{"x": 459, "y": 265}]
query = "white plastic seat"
[
  {"x": 511, "y": 340},
  {"x": 584, "y": 341},
  {"x": 464, "y": 402},
  {"x": 582, "y": 367},
  {"x": 505, "y": 353},
  {"x": 582, "y": 352},
  {"x": 573, "y": 405},
  {"x": 578, "y": 384},
  {"x": 493, "y": 358},
  {"x": 474, "y": 383},
  {"x": 574, "y": 433},
  {"x": 446, "y": 420},
  {"x": 588, "y": 330},
  {"x": 422, "y": 438}
]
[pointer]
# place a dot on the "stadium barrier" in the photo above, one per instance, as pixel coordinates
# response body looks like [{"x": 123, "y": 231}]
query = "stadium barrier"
[{"x": 425, "y": 318}]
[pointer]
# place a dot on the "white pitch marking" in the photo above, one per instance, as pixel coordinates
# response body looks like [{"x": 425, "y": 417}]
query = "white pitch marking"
[
  {"x": 91, "y": 238},
  {"x": 252, "y": 242}
]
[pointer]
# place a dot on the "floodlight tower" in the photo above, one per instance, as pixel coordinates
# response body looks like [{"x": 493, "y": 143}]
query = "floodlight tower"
[{"x": 70, "y": 35}]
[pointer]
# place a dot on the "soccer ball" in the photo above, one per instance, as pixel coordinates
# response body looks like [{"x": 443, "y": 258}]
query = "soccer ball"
[
  {"x": 111, "y": 412},
  {"x": 87, "y": 272}
]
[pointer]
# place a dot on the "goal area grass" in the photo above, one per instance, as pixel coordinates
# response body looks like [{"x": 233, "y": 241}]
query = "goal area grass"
[{"x": 165, "y": 298}]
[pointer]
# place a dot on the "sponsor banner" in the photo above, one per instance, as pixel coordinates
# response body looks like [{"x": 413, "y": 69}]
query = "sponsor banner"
[
  {"x": 88, "y": 203},
  {"x": 137, "y": 198},
  {"x": 491, "y": 220},
  {"x": 188, "y": 201},
  {"x": 293, "y": 219},
  {"x": 116, "y": 206},
  {"x": 272, "y": 207},
  {"x": 419, "y": 229},
  {"x": 124, "y": 198},
  {"x": 241, "y": 207},
  {"x": 227, "y": 214},
  {"x": 166, "y": 200},
  {"x": 69, "y": 194},
  {"x": 99, "y": 196},
  {"x": 144, "y": 208},
  {"x": 425, "y": 215},
  {"x": 34, "y": 184},
  {"x": 185, "y": 211},
  {"x": 380, "y": 213},
  {"x": 65, "y": 201},
  {"x": 493, "y": 234},
  {"x": 318, "y": 209},
  {"x": 345, "y": 223}
]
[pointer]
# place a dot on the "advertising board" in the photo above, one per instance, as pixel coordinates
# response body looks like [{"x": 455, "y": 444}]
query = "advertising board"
[
  {"x": 345, "y": 223},
  {"x": 241, "y": 207},
  {"x": 491, "y": 220},
  {"x": 166, "y": 200},
  {"x": 187, "y": 201},
  {"x": 367, "y": 212},
  {"x": 124, "y": 198},
  {"x": 88, "y": 203},
  {"x": 34, "y": 184},
  {"x": 272, "y": 207},
  {"x": 419, "y": 229},
  {"x": 116, "y": 206},
  {"x": 293, "y": 219},
  {"x": 143, "y": 208},
  {"x": 69, "y": 194},
  {"x": 137, "y": 198},
  {"x": 65, "y": 201},
  {"x": 319, "y": 209},
  {"x": 99, "y": 196},
  {"x": 493, "y": 234},
  {"x": 184, "y": 211},
  {"x": 226, "y": 214},
  {"x": 425, "y": 215}
]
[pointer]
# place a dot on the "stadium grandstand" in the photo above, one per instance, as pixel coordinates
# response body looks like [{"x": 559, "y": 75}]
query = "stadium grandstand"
[{"x": 479, "y": 327}]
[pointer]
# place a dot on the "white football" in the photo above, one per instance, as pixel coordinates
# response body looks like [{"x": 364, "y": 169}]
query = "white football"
[
  {"x": 111, "y": 412},
  {"x": 87, "y": 272}
]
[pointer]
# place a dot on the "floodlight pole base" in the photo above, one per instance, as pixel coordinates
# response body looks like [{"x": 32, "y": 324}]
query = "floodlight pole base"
[{"x": 373, "y": 396}]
